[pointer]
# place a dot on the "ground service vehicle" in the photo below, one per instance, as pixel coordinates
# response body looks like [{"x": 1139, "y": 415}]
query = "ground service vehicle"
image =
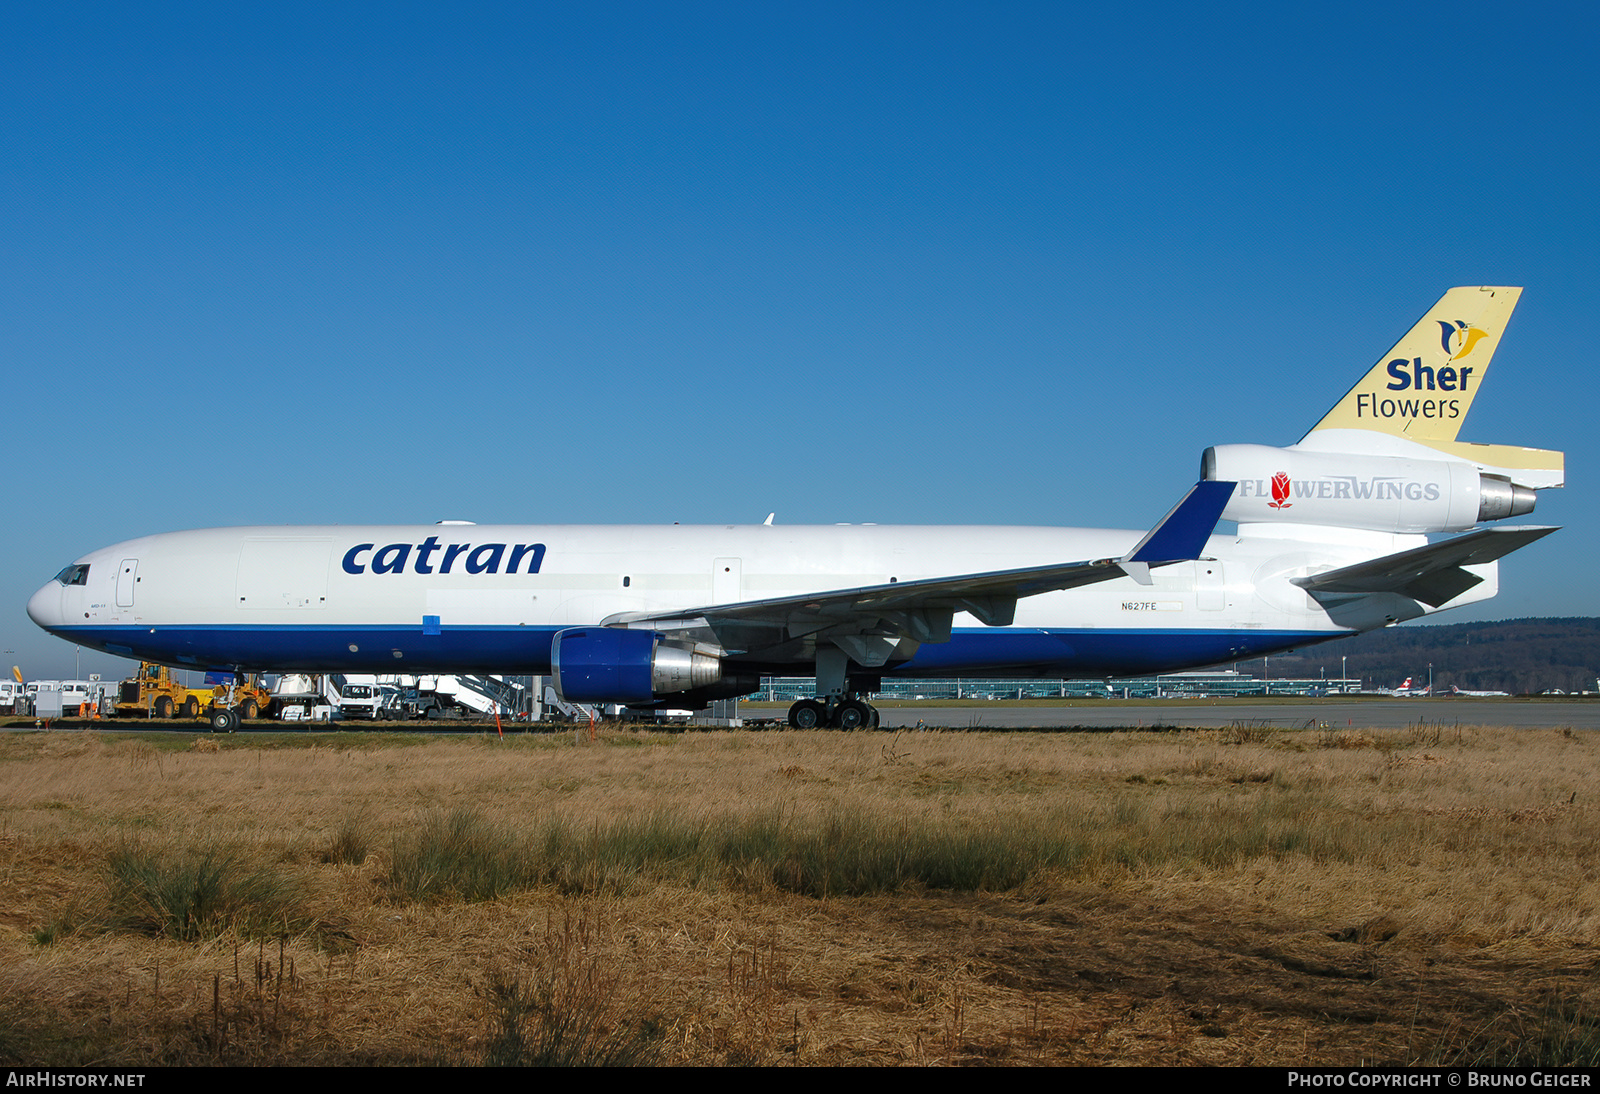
[{"x": 155, "y": 693}]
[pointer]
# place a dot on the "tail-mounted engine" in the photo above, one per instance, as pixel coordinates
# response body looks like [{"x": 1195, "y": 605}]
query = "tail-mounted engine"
[{"x": 1378, "y": 493}]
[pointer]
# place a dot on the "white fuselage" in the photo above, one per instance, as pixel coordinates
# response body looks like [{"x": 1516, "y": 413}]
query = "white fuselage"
[{"x": 443, "y": 598}]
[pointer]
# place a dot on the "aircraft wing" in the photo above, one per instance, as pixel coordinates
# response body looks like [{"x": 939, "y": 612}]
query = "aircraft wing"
[
  {"x": 1432, "y": 574},
  {"x": 921, "y": 611}
]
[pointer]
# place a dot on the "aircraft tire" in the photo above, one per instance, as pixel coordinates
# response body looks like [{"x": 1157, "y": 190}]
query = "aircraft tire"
[
  {"x": 806, "y": 714},
  {"x": 853, "y": 714},
  {"x": 224, "y": 720}
]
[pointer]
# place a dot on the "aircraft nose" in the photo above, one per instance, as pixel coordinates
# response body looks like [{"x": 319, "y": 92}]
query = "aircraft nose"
[{"x": 44, "y": 607}]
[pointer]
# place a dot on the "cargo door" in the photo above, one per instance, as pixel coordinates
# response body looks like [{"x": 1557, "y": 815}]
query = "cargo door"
[{"x": 283, "y": 572}]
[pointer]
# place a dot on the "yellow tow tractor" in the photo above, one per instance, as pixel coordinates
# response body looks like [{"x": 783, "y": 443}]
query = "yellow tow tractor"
[{"x": 154, "y": 692}]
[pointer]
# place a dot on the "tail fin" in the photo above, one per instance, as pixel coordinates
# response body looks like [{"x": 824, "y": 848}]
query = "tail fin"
[
  {"x": 1423, "y": 387},
  {"x": 1418, "y": 394}
]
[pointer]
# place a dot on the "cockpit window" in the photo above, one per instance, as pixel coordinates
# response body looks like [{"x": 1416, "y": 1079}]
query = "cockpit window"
[{"x": 75, "y": 574}]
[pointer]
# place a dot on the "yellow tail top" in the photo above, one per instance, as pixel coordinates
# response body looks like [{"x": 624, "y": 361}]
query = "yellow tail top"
[
  {"x": 1420, "y": 391},
  {"x": 1423, "y": 388}
]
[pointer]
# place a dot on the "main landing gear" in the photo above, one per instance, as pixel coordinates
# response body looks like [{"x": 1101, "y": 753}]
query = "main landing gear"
[
  {"x": 848, "y": 713},
  {"x": 838, "y": 704}
]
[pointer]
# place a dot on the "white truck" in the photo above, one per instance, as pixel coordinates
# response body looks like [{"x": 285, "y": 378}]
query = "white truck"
[{"x": 367, "y": 697}]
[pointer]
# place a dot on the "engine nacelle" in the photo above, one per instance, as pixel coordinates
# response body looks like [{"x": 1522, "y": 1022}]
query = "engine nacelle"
[
  {"x": 1378, "y": 493},
  {"x": 617, "y": 665}
]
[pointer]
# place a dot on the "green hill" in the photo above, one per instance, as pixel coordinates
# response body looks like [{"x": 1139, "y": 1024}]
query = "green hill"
[{"x": 1514, "y": 655}]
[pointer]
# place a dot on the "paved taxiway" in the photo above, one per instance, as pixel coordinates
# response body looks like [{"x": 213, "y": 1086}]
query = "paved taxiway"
[{"x": 1204, "y": 713}]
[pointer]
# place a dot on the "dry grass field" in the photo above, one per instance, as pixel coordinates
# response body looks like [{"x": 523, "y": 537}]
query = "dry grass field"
[{"x": 1222, "y": 897}]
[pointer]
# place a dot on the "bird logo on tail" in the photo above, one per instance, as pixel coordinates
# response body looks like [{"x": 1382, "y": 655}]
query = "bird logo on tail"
[{"x": 1462, "y": 336}]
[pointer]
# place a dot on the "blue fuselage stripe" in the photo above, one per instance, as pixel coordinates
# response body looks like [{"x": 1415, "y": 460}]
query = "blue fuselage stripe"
[{"x": 973, "y": 652}]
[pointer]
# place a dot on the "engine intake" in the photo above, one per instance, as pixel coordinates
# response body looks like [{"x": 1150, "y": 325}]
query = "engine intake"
[{"x": 618, "y": 665}]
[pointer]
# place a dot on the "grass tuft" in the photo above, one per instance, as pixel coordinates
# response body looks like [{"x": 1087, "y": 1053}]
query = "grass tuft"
[
  {"x": 1248, "y": 733},
  {"x": 350, "y": 844},
  {"x": 567, "y": 1009},
  {"x": 191, "y": 894},
  {"x": 460, "y": 854},
  {"x": 61, "y": 925}
]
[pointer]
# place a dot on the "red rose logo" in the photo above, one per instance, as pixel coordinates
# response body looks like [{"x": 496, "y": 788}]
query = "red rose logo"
[{"x": 1280, "y": 491}]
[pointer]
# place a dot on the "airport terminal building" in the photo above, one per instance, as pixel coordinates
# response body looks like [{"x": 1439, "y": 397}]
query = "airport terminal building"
[{"x": 1215, "y": 684}]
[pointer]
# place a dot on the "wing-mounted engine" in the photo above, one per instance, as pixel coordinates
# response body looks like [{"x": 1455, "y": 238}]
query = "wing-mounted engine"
[
  {"x": 621, "y": 665},
  {"x": 1373, "y": 492}
]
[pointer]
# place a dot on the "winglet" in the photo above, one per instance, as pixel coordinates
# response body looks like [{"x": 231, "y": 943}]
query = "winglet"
[{"x": 1181, "y": 535}]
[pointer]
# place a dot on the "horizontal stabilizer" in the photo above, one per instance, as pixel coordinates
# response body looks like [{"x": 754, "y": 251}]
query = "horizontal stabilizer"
[{"x": 1433, "y": 574}]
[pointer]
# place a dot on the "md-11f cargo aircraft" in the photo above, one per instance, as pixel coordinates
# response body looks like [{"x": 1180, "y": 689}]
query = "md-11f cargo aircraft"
[{"x": 1333, "y": 539}]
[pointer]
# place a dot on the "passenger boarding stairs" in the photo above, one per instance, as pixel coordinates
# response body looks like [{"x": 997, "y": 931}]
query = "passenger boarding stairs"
[
  {"x": 578, "y": 712},
  {"x": 483, "y": 693},
  {"x": 302, "y": 691}
]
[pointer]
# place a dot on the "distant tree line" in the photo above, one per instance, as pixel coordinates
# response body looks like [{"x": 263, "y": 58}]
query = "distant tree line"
[{"x": 1520, "y": 656}]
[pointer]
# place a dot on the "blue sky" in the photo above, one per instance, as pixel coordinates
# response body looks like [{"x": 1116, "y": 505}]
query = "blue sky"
[{"x": 895, "y": 262}]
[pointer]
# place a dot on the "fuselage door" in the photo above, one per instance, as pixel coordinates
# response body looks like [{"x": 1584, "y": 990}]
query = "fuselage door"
[
  {"x": 1209, "y": 588},
  {"x": 127, "y": 578}
]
